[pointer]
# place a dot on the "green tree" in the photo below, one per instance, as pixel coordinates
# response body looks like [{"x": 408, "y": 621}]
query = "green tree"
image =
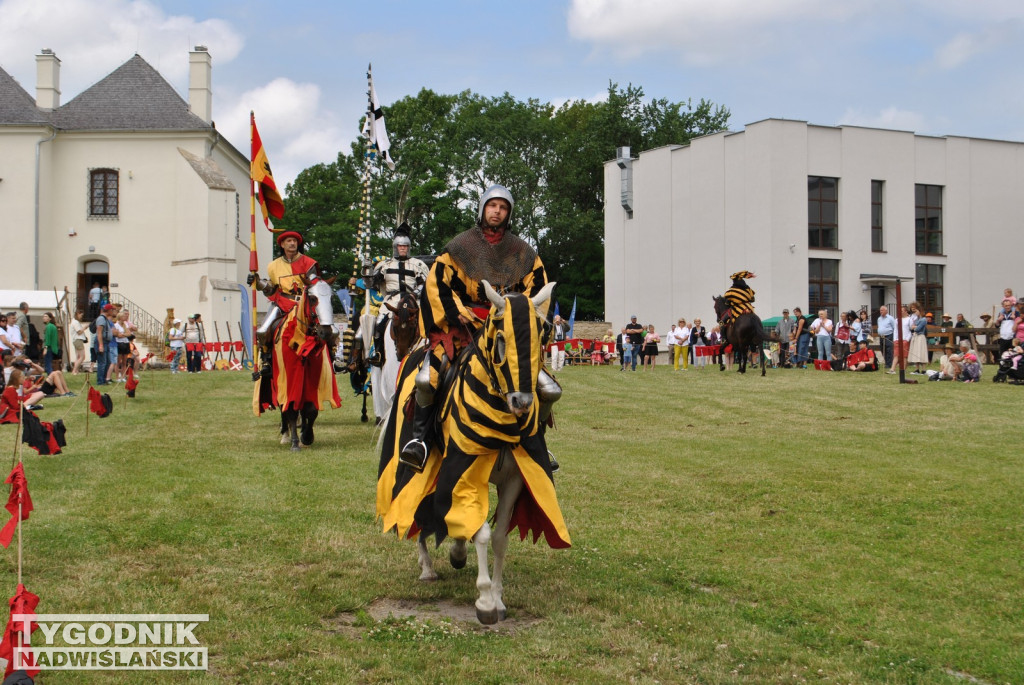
[{"x": 449, "y": 148}]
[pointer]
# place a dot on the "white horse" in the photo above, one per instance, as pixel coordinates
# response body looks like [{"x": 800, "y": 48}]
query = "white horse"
[{"x": 491, "y": 428}]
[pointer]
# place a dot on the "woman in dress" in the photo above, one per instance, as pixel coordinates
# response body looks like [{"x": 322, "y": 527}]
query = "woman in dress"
[
  {"x": 651, "y": 340},
  {"x": 918, "y": 355}
]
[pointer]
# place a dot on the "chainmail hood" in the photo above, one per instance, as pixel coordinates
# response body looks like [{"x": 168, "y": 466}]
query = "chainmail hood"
[{"x": 503, "y": 265}]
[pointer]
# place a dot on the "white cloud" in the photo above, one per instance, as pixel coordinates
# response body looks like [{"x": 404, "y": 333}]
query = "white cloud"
[
  {"x": 965, "y": 46},
  {"x": 295, "y": 131},
  {"x": 93, "y": 37},
  {"x": 701, "y": 32},
  {"x": 892, "y": 118}
]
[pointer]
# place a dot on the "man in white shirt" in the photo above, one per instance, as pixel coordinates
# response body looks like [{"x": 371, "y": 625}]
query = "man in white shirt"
[
  {"x": 14, "y": 337},
  {"x": 559, "y": 330}
]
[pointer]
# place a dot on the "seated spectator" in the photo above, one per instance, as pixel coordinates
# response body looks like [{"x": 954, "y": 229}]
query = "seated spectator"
[
  {"x": 950, "y": 366},
  {"x": 15, "y": 394},
  {"x": 863, "y": 359},
  {"x": 51, "y": 384},
  {"x": 971, "y": 371}
]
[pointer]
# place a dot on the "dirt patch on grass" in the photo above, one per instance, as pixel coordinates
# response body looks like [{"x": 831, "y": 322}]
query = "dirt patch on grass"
[{"x": 463, "y": 614}]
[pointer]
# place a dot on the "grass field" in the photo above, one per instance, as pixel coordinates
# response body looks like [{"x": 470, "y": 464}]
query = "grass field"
[{"x": 804, "y": 527}]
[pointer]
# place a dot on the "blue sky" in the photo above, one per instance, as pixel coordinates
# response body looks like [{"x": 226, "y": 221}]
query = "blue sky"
[{"x": 937, "y": 67}]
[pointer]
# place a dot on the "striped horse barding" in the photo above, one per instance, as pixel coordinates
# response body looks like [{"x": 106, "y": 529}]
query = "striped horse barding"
[{"x": 490, "y": 430}]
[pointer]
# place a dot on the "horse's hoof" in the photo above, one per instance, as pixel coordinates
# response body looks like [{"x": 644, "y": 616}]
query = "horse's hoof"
[
  {"x": 488, "y": 618},
  {"x": 457, "y": 562},
  {"x": 428, "y": 578},
  {"x": 307, "y": 436},
  {"x": 501, "y": 615},
  {"x": 296, "y": 448},
  {"x": 285, "y": 439}
]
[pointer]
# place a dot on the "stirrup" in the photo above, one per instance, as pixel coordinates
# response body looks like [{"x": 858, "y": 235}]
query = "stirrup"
[
  {"x": 375, "y": 359},
  {"x": 414, "y": 455},
  {"x": 552, "y": 461}
]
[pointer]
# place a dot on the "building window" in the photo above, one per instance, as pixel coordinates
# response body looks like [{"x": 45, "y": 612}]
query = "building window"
[
  {"x": 103, "y": 192},
  {"x": 877, "y": 244},
  {"x": 822, "y": 212},
  {"x": 929, "y": 288},
  {"x": 823, "y": 286},
  {"x": 928, "y": 219}
]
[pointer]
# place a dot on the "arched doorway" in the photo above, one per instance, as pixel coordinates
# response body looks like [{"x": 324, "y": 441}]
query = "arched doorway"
[{"x": 91, "y": 271}]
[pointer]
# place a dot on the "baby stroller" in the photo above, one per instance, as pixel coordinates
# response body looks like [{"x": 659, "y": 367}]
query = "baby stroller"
[{"x": 1011, "y": 367}]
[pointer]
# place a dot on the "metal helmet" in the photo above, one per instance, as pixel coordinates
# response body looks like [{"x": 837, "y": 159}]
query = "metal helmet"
[
  {"x": 401, "y": 238},
  {"x": 499, "y": 192}
]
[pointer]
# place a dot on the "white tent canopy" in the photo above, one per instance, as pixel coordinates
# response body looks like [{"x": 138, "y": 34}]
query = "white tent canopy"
[{"x": 38, "y": 300}]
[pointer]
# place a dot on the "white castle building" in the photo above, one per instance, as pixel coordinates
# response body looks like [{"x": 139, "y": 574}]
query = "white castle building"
[
  {"x": 126, "y": 185},
  {"x": 830, "y": 217}
]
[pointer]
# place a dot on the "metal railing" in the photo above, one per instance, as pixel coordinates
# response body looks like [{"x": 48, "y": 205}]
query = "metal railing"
[{"x": 150, "y": 328}]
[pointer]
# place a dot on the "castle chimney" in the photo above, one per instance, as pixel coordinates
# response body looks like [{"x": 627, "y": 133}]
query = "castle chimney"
[
  {"x": 200, "y": 83},
  {"x": 47, "y": 80}
]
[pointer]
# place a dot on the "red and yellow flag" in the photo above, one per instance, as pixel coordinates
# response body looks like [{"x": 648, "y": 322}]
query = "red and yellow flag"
[{"x": 270, "y": 200}]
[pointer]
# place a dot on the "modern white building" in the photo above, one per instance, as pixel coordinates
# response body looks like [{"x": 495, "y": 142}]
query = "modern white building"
[
  {"x": 825, "y": 216},
  {"x": 127, "y": 185}
]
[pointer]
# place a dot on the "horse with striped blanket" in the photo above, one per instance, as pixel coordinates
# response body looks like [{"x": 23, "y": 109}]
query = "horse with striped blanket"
[{"x": 490, "y": 428}]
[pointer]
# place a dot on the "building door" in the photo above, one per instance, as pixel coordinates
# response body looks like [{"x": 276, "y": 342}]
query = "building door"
[
  {"x": 91, "y": 272},
  {"x": 877, "y": 300}
]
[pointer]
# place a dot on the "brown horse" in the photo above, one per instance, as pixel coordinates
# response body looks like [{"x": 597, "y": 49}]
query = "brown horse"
[{"x": 744, "y": 332}]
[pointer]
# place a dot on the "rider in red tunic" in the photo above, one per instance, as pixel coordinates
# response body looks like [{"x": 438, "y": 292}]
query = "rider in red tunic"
[{"x": 285, "y": 276}]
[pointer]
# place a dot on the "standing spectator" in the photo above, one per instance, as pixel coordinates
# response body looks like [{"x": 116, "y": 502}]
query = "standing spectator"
[
  {"x": 802, "y": 338},
  {"x": 864, "y": 327},
  {"x": 902, "y": 343},
  {"x": 51, "y": 342},
  {"x": 784, "y": 330},
  {"x": 21, "y": 320},
  {"x": 559, "y": 330},
  {"x": 5, "y": 341},
  {"x": 95, "y": 293},
  {"x": 853, "y": 321},
  {"x": 621, "y": 341},
  {"x": 123, "y": 345},
  {"x": 193, "y": 349},
  {"x": 636, "y": 338},
  {"x": 670, "y": 342},
  {"x": 715, "y": 339},
  {"x": 651, "y": 340},
  {"x": 176, "y": 339},
  {"x": 16, "y": 341},
  {"x": 918, "y": 355},
  {"x": 844, "y": 333},
  {"x": 103, "y": 343},
  {"x": 684, "y": 345},
  {"x": 885, "y": 327},
  {"x": 104, "y": 297},
  {"x": 1006, "y": 323},
  {"x": 698, "y": 338},
  {"x": 821, "y": 328},
  {"x": 79, "y": 339}
]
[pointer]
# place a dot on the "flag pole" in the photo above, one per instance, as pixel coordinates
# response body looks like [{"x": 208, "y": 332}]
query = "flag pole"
[
  {"x": 21, "y": 421},
  {"x": 363, "y": 244},
  {"x": 254, "y": 264}
]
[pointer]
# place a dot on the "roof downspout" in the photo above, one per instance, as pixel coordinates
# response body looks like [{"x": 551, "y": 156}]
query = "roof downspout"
[{"x": 39, "y": 146}]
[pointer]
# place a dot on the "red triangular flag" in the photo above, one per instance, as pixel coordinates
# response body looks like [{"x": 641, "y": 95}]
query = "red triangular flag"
[
  {"x": 130, "y": 382},
  {"x": 19, "y": 491},
  {"x": 23, "y": 602}
]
